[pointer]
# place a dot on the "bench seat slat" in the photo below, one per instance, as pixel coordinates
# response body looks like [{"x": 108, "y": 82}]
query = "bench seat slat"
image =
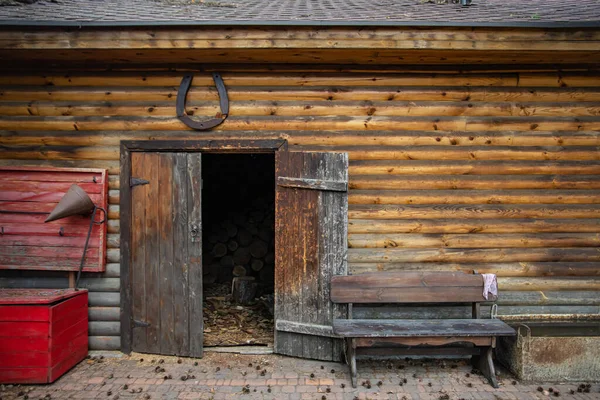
[{"x": 418, "y": 327}]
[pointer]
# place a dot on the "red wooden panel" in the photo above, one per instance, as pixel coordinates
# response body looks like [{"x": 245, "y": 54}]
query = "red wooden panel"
[
  {"x": 68, "y": 241},
  {"x": 26, "y": 359},
  {"x": 66, "y": 307},
  {"x": 66, "y": 364},
  {"x": 40, "y": 196},
  {"x": 73, "y": 318},
  {"x": 75, "y": 229},
  {"x": 46, "y": 252},
  {"x": 38, "y": 296},
  {"x": 69, "y": 343},
  {"x": 23, "y": 375},
  {"x": 24, "y": 313},
  {"x": 74, "y": 175},
  {"x": 28, "y": 186},
  {"x": 23, "y": 329},
  {"x": 62, "y": 339},
  {"x": 32, "y": 190},
  {"x": 25, "y": 344}
]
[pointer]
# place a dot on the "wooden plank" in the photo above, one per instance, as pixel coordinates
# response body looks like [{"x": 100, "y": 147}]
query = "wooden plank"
[
  {"x": 305, "y": 328},
  {"x": 194, "y": 254},
  {"x": 422, "y": 341},
  {"x": 141, "y": 166},
  {"x": 425, "y": 328},
  {"x": 164, "y": 287},
  {"x": 410, "y": 279},
  {"x": 180, "y": 258},
  {"x": 316, "y": 184},
  {"x": 310, "y": 252}
]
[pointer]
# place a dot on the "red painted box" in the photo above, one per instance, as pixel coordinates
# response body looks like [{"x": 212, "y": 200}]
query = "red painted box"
[{"x": 43, "y": 333}]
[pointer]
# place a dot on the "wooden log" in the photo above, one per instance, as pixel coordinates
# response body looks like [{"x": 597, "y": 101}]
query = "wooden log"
[
  {"x": 239, "y": 270},
  {"x": 242, "y": 256},
  {"x": 244, "y": 238},
  {"x": 104, "y": 314},
  {"x": 328, "y": 92},
  {"x": 243, "y": 289},
  {"x": 485, "y": 182},
  {"x": 104, "y": 328},
  {"x": 474, "y": 240},
  {"x": 505, "y": 269},
  {"x": 473, "y": 255},
  {"x": 417, "y": 167},
  {"x": 101, "y": 285},
  {"x": 266, "y": 233},
  {"x": 257, "y": 265},
  {"x": 394, "y": 108},
  {"x": 258, "y": 249},
  {"x": 473, "y": 197},
  {"x": 267, "y": 273},
  {"x": 232, "y": 245},
  {"x": 104, "y": 299},
  {"x": 231, "y": 229},
  {"x": 270, "y": 258},
  {"x": 227, "y": 261},
  {"x": 442, "y": 153},
  {"x": 469, "y": 124},
  {"x": 219, "y": 250},
  {"x": 477, "y": 211},
  {"x": 549, "y": 284},
  {"x": 473, "y": 226},
  {"x": 111, "y": 343}
]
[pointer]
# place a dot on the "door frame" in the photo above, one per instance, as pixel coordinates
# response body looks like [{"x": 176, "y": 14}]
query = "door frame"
[{"x": 181, "y": 146}]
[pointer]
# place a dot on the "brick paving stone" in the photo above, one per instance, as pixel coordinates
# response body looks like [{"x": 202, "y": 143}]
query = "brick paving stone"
[{"x": 285, "y": 378}]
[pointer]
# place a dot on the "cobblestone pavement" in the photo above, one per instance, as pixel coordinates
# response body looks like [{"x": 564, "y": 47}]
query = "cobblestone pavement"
[{"x": 233, "y": 376}]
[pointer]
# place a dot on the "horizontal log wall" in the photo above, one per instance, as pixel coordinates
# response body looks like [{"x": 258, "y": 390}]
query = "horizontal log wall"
[{"x": 493, "y": 171}]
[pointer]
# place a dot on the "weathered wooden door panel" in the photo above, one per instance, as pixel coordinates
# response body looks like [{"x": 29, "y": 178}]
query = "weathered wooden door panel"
[
  {"x": 311, "y": 246},
  {"x": 166, "y": 273}
]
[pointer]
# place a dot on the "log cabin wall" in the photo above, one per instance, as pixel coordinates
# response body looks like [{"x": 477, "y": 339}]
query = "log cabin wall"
[{"x": 451, "y": 167}]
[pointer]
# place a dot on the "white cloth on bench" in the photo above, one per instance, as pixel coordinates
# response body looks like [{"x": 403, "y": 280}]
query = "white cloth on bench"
[{"x": 490, "y": 285}]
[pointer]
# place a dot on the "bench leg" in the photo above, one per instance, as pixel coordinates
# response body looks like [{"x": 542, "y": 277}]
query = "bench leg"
[
  {"x": 485, "y": 364},
  {"x": 351, "y": 360}
]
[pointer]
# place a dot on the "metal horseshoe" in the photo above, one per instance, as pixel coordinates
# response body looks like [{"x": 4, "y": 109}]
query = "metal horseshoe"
[{"x": 184, "y": 87}]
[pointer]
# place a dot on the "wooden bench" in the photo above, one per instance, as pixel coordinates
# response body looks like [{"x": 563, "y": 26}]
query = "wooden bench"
[{"x": 475, "y": 336}]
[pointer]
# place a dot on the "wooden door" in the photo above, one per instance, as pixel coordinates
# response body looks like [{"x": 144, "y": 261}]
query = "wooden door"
[
  {"x": 311, "y": 212},
  {"x": 165, "y": 264}
]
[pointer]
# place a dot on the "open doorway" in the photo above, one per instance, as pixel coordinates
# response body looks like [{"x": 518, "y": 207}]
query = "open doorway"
[{"x": 238, "y": 214}]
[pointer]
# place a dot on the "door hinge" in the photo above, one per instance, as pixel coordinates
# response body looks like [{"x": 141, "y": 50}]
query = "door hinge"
[
  {"x": 137, "y": 182},
  {"x": 138, "y": 323}
]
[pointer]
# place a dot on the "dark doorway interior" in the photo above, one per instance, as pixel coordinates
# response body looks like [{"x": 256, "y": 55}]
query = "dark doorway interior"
[{"x": 238, "y": 211}]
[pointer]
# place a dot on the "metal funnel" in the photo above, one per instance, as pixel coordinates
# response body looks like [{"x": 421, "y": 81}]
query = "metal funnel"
[{"x": 75, "y": 202}]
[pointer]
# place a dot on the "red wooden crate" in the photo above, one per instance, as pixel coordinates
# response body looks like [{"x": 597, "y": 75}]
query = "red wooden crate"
[
  {"x": 43, "y": 333},
  {"x": 27, "y": 195}
]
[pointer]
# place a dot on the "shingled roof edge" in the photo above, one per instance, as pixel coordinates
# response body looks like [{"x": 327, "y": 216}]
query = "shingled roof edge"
[{"x": 285, "y": 23}]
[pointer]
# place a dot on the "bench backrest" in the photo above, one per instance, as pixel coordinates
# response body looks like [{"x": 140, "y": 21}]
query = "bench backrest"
[{"x": 408, "y": 287}]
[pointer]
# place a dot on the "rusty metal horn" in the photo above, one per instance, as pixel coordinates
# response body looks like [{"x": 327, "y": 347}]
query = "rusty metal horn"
[{"x": 75, "y": 202}]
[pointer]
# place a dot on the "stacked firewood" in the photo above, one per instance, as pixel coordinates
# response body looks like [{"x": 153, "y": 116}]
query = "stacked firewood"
[{"x": 242, "y": 246}]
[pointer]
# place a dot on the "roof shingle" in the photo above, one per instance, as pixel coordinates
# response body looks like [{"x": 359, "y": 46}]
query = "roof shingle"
[{"x": 302, "y": 12}]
